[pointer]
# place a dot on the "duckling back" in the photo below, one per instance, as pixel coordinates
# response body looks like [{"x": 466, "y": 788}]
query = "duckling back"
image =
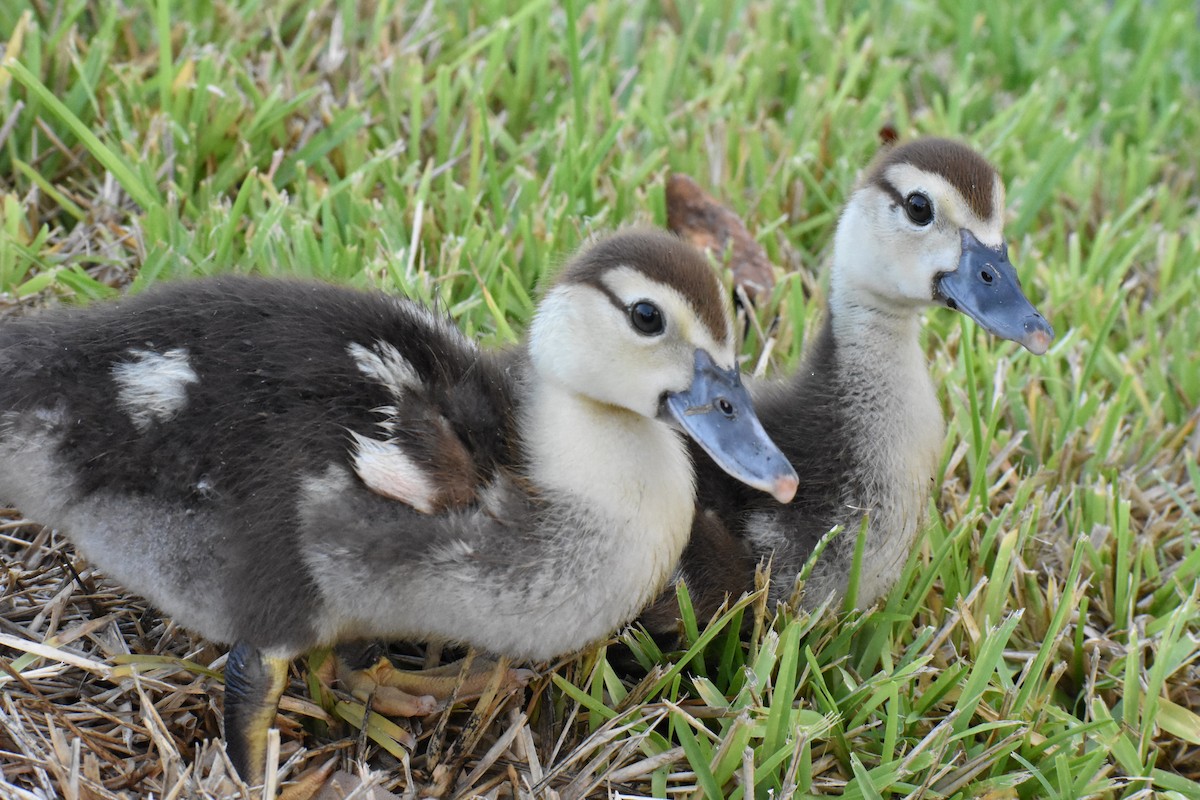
[{"x": 170, "y": 433}]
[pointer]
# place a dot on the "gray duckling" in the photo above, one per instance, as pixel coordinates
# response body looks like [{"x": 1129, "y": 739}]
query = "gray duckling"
[{"x": 860, "y": 420}]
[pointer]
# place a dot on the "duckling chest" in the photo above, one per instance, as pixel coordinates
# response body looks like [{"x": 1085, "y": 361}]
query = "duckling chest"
[
  {"x": 570, "y": 580},
  {"x": 627, "y": 479},
  {"x": 621, "y": 509},
  {"x": 897, "y": 441},
  {"x": 530, "y": 577}
]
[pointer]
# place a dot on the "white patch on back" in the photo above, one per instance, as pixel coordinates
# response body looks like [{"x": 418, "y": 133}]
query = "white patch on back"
[
  {"x": 153, "y": 387},
  {"x": 387, "y": 421},
  {"x": 387, "y": 366},
  {"x": 387, "y": 470},
  {"x": 318, "y": 489}
]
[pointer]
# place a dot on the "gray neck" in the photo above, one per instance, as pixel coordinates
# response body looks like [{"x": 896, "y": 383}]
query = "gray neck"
[
  {"x": 873, "y": 338},
  {"x": 876, "y": 448},
  {"x": 899, "y": 432}
]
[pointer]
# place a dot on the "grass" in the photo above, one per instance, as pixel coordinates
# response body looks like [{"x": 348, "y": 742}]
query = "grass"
[{"x": 1043, "y": 639}]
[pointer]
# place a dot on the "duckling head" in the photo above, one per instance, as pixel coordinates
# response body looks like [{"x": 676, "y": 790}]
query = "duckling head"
[
  {"x": 639, "y": 322},
  {"x": 925, "y": 227}
]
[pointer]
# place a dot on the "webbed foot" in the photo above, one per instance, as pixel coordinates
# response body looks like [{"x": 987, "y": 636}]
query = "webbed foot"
[{"x": 413, "y": 693}]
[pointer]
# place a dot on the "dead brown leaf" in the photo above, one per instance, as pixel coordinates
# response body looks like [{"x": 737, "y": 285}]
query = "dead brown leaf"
[{"x": 699, "y": 218}]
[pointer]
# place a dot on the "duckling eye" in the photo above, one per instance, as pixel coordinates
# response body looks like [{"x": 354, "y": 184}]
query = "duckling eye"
[
  {"x": 646, "y": 318},
  {"x": 918, "y": 208}
]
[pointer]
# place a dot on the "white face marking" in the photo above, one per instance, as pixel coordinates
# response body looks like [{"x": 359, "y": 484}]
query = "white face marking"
[
  {"x": 884, "y": 261},
  {"x": 632, "y": 285},
  {"x": 580, "y": 340},
  {"x": 153, "y": 387},
  {"x": 387, "y": 366},
  {"x": 950, "y": 207},
  {"x": 388, "y": 471}
]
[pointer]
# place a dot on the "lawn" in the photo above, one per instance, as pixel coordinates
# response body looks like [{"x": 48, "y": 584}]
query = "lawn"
[{"x": 1043, "y": 639}]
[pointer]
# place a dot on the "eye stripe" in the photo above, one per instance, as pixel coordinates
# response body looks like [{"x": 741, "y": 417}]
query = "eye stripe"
[
  {"x": 627, "y": 310},
  {"x": 892, "y": 191},
  {"x": 965, "y": 170},
  {"x": 612, "y": 297},
  {"x": 663, "y": 259}
]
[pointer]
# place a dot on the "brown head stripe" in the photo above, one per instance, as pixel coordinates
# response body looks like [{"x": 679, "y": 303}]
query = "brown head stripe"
[
  {"x": 962, "y": 167},
  {"x": 663, "y": 258}
]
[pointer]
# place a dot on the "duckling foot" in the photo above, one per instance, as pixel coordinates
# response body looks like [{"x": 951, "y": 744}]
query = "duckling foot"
[
  {"x": 414, "y": 693},
  {"x": 253, "y": 685}
]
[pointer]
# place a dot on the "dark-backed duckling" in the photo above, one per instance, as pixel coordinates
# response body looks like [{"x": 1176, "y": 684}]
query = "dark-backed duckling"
[{"x": 284, "y": 465}]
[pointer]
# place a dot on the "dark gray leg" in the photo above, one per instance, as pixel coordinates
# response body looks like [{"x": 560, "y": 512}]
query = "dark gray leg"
[{"x": 253, "y": 686}]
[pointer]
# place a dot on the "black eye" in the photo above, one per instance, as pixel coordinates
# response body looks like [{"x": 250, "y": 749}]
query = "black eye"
[
  {"x": 918, "y": 208},
  {"x": 646, "y": 318}
]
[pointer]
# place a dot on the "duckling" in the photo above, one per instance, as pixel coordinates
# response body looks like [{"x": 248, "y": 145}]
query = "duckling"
[
  {"x": 860, "y": 420},
  {"x": 283, "y": 465}
]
